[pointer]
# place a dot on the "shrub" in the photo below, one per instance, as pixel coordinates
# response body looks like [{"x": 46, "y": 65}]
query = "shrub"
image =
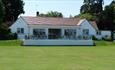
[
  {"x": 106, "y": 38},
  {"x": 5, "y": 34},
  {"x": 94, "y": 38}
]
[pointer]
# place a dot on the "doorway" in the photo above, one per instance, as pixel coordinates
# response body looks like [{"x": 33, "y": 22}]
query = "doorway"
[{"x": 54, "y": 33}]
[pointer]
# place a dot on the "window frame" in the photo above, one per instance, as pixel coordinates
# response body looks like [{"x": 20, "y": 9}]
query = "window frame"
[
  {"x": 70, "y": 33},
  {"x": 40, "y": 33},
  {"x": 85, "y": 31},
  {"x": 98, "y": 32},
  {"x": 20, "y": 30}
]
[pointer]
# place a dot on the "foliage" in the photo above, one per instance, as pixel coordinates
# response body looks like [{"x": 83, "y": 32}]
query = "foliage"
[
  {"x": 93, "y": 1},
  {"x": 1, "y": 11},
  {"x": 3, "y": 31},
  {"x": 51, "y": 14},
  {"x": 5, "y": 34},
  {"x": 85, "y": 9},
  {"x": 13, "y": 8},
  {"x": 93, "y": 7},
  {"x": 94, "y": 37},
  {"x": 106, "y": 19},
  {"x": 86, "y": 16}
]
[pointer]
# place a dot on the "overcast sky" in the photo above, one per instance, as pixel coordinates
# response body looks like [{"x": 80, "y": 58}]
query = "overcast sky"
[{"x": 67, "y": 7}]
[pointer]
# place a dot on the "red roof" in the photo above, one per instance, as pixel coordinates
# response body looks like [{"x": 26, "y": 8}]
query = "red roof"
[
  {"x": 51, "y": 21},
  {"x": 94, "y": 24},
  {"x": 56, "y": 21}
]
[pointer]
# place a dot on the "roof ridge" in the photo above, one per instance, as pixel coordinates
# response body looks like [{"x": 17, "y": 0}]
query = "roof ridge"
[
  {"x": 47, "y": 17},
  {"x": 33, "y": 20}
]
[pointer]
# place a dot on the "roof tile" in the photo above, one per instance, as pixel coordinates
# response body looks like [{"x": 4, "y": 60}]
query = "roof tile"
[{"x": 51, "y": 21}]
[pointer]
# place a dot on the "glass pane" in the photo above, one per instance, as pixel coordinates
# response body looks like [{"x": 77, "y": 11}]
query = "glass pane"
[
  {"x": 54, "y": 33},
  {"x": 70, "y": 33},
  {"x": 18, "y": 30},
  {"x": 22, "y": 30},
  {"x": 85, "y": 31},
  {"x": 39, "y": 33}
]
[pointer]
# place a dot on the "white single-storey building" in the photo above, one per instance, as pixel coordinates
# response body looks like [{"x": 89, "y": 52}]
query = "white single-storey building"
[{"x": 54, "y": 31}]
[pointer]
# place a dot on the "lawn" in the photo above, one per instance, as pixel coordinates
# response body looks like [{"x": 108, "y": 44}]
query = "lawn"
[{"x": 16, "y": 57}]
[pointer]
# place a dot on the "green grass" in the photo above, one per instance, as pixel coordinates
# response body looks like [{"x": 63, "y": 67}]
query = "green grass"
[
  {"x": 16, "y": 57},
  {"x": 104, "y": 43},
  {"x": 10, "y": 43}
]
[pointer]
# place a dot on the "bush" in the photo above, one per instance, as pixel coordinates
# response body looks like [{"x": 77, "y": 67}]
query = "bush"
[
  {"x": 94, "y": 38},
  {"x": 5, "y": 34},
  {"x": 14, "y": 35},
  {"x": 106, "y": 38}
]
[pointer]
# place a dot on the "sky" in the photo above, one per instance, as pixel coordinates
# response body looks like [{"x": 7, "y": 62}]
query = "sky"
[{"x": 66, "y": 7}]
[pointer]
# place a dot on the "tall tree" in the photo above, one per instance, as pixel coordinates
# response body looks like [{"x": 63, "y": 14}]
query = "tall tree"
[
  {"x": 52, "y": 14},
  {"x": 13, "y": 8},
  {"x": 9, "y": 12},
  {"x": 4, "y": 33},
  {"x": 107, "y": 18},
  {"x": 1, "y": 11},
  {"x": 93, "y": 7}
]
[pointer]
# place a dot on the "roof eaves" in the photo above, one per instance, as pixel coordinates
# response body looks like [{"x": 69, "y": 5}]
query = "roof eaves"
[
  {"x": 24, "y": 20},
  {"x": 95, "y": 27}
]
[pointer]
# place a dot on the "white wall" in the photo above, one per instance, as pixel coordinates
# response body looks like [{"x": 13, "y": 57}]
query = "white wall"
[
  {"x": 106, "y": 33},
  {"x": 87, "y": 25},
  {"x": 20, "y": 23},
  {"x": 28, "y": 29}
]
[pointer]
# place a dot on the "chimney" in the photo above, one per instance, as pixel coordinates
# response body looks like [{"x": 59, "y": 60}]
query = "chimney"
[{"x": 37, "y": 13}]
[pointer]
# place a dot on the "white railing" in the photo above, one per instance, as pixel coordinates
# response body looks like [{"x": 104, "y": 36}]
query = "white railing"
[
  {"x": 80, "y": 37},
  {"x": 60, "y": 42}
]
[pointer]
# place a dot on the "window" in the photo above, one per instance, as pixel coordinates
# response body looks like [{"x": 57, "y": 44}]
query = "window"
[
  {"x": 70, "y": 33},
  {"x": 20, "y": 30},
  {"x": 54, "y": 33},
  {"x": 98, "y": 32},
  {"x": 39, "y": 33},
  {"x": 85, "y": 32}
]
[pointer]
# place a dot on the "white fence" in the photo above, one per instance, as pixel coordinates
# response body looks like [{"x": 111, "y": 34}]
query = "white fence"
[
  {"x": 80, "y": 37},
  {"x": 58, "y": 42}
]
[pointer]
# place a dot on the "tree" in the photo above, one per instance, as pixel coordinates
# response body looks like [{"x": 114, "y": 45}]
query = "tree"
[
  {"x": 107, "y": 18},
  {"x": 1, "y": 11},
  {"x": 52, "y": 14},
  {"x": 93, "y": 7},
  {"x": 93, "y": 1},
  {"x": 9, "y": 12},
  {"x": 13, "y": 8},
  {"x": 70, "y": 16},
  {"x": 86, "y": 16},
  {"x": 3, "y": 32}
]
